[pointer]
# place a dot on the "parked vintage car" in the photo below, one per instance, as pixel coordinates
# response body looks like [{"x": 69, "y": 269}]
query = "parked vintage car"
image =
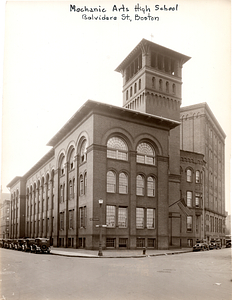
[
  {"x": 228, "y": 243},
  {"x": 219, "y": 243},
  {"x": 1, "y": 243},
  {"x": 41, "y": 245},
  {"x": 18, "y": 244},
  {"x": 12, "y": 244},
  {"x": 28, "y": 244},
  {"x": 215, "y": 244},
  {"x": 212, "y": 244},
  {"x": 6, "y": 243},
  {"x": 201, "y": 246}
]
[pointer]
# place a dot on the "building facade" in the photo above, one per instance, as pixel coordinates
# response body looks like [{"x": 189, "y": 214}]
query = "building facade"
[
  {"x": 127, "y": 157},
  {"x": 5, "y": 219},
  {"x": 201, "y": 132}
]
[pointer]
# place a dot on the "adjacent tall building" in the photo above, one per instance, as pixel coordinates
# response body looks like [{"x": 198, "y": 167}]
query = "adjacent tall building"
[{"x": 153, "y": 191}]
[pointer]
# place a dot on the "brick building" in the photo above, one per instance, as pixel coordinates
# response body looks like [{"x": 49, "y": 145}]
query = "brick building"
[
  {"x": 4, "y": 215},
  {"x": 129, "y": 157},
  {"x": 201, "y": 132}
]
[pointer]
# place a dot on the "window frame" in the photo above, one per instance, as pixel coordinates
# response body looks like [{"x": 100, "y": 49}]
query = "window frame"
[
  {"x": 143, "y": 157},
  {"x": 114, "y": 152},
  {"x": 112, "y": 183}
]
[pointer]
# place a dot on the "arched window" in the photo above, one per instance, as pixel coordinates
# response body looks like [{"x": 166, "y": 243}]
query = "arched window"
[
  {"x": 189, "y": 175},
  {"x": 123, "y": 183},
  {"x": 167, "y": 87},
  {"x": 140, "y": 185},
  {"x": 111, "y": 182},
  {"x": 81, "y": 185},
  {"x": 131, "y": 91},
  {"x": 71, "y": 160},
  {"x": 70, "y": 189},
  {"x": 153, "y": 82},
  {"x": 61, "y": 194},
  {"x": 74, "y": 187},
  {"x": 198, "y": 178},
  {"x": 83, "y": 151},
  {"x": 117, "y": 148},
  {"x": 160, "y": 84},
  {"x": 150, "y": 186},
  {"x": 145, "y": 154},
  {"x": 85, "y": 182},
  {"x": 139, "y": 84},
  {"x": 174, "y": 88},
  {"x": 62, "y": 166},
  {"x": 135, "y": 88},
  {"x": 127, "y": 95}
]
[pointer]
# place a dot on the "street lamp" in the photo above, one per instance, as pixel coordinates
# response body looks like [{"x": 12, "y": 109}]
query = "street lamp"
[{"x": 100, "y": 201}]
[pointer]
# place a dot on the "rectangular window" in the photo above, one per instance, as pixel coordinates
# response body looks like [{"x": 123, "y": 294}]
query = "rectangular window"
[
  {"x": 110, "y": 216},
  {"x": 71, "y": 215},
  {"x": 211, "y": 224},
  {"x": 197, "y": 200},
  {"x": 110, "y": 242},
  {"x": 122, "y": 243},
  {"x": 189, "y": 199},
  {"x": 189, "y": 223},
  {"x": 62, "y": 221},
  {"x": 122, "y": 217},
  {"x": 139, "y": 218},
  {"x": 83, "y": 212},
  {"x": 150, "y": 218},
  {"x": 150, "y": 243},
  {"x": 140, "y": 242},
  {"x": 140, "y": 159}
]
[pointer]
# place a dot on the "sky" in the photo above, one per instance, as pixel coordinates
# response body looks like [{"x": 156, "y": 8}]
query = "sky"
[{"x": 53, "y": 60}]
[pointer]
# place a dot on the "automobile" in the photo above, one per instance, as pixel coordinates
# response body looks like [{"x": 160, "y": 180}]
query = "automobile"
[
  {"x": 228, "y": 243},
  {"x": 200, "y": 246},
  {"x": 1, "y": 243},
  {"x": 41, "y": 245},
  {"x": 215, "y": 244},
  {"x": 12, "y": 244},
  {"x": 218, "y": 243},
  {"x": 28, "y": 244},
  {"x": 7, "y": 243},
  {"x": 212, "y": 244},
  {"x": 18, "y": 244}
]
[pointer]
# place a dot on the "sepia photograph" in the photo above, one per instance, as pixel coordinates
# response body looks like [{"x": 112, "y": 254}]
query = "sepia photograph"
[{"x": 115, "y": 150}]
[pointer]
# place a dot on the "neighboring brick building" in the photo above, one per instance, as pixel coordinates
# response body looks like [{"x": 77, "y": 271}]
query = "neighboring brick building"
[
  {"x": 201, "y": 132},
  {"x": 4, "y": 215},
  {"x": 192, "y": 166},
  {"x": 129, "y": 157}
]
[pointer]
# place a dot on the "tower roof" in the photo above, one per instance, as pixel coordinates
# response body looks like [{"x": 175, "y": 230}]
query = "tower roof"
[{"x": 159, "y": 49}]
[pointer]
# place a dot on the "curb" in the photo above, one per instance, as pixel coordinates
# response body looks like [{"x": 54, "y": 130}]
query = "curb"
[{"x": 119, "y": 256}]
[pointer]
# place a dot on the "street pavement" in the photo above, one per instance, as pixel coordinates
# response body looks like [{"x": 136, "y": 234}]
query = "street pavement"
[{"x": 70, "y": 252}]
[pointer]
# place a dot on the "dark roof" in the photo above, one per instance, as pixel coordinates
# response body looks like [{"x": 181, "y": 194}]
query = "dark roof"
[
  {"x": 157, "y": 48},
  {"x": 91, "y": 106}
]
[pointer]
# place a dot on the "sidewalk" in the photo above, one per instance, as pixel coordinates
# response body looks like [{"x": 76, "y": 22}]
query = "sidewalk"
[{"x": 70, "y": 252}]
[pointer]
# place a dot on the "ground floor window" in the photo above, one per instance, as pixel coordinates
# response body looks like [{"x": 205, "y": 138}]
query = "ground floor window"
[
  {"x": 61, "y": 242},
  {"x": 140, "y": 242},
  {"x": 151, "y": 243},
  {"x": 190, "y": 242},
  {"x": 110, "y": 242},
  {"x": 81, "y": 242},
  {"x": 70, "y": 242},
  {"x": 122, "y": 243}
]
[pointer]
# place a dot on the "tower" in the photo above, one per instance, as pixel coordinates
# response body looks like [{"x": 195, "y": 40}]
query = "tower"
[{"x": 152, "y": 83}]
